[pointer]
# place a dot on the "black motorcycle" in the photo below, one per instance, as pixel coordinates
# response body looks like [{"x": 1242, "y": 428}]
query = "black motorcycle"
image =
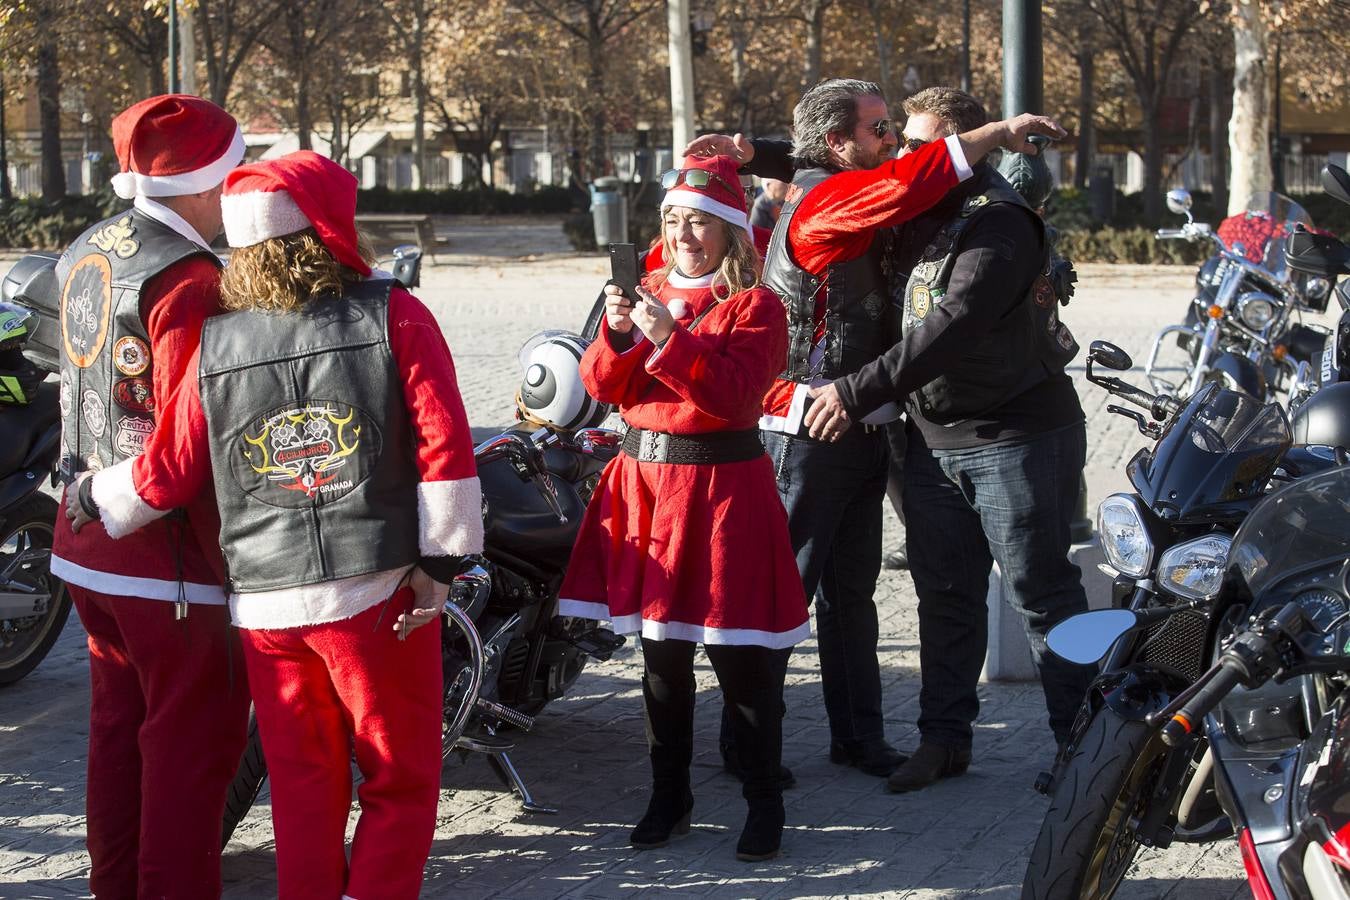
[
  {"x": 1169, "y": 542},
  {"x": 1268, "y": 723},
  {"x": 34, "y": 603},
  {"x": 505, "y": 654}
]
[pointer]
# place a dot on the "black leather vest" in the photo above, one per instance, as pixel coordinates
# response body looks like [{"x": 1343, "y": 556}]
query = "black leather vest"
[
  {"x": 311, "y": 445},
  {"x": 107, "y": 384},
  {"x": 1028, "y": 345},
  {"x": 862, "y": 317}
]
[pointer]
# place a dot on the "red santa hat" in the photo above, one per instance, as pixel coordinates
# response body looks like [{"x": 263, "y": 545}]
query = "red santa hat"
[
  {"x": 174, "y": 144},
  {"x": 717, "y": 197},
  {"x": 300, "y": 190}
]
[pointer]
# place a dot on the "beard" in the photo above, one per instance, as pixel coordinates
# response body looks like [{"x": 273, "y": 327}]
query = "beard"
[{"x": 862, "y": 158}]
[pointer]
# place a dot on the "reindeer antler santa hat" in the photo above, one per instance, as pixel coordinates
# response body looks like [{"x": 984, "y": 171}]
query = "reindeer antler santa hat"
[
  {"x": 174, "y": 144},
  {"x": 297, "y": 191}
]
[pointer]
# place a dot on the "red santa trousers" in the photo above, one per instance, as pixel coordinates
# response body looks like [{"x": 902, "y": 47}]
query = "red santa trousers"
[
  {"x": 320, "y": 689},
  {"x": 168, "y": 717}
]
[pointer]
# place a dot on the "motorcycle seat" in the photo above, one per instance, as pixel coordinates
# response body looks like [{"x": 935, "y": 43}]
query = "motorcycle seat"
[{"x": 21, "y": 426}]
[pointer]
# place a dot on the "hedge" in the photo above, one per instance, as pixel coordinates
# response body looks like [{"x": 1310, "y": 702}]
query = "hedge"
[
  {"x": 468, "y": 201},
  {"x": 51, "y": 226}
]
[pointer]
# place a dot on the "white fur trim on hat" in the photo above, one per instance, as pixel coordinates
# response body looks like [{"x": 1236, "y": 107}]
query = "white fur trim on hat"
[
  {"x": 696, "y": 200},
  {"x": 450, "y": 517},
  {"x": 120, "y": 508},
  {"x": 257, "y": 216},
  {"x": 129, "y": 185}
]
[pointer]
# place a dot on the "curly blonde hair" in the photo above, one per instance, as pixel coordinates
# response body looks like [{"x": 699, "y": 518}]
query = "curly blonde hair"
[
  {"x": 739, "y": 270},
  {"x": 284, "y": 273}
]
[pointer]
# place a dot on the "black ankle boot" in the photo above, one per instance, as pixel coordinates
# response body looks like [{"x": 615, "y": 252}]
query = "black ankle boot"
[
  {"x": 763, "y": 832},
  {"x": 667, "y": 814}
]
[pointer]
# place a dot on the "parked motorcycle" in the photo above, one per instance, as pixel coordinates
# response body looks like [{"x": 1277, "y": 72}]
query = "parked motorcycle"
[
  {"x": 34, "y": 603},
  {"x": 1268, "y": 722},
  {"x": 1242, "y": 328},
  {"x": 505, "y": 654}
]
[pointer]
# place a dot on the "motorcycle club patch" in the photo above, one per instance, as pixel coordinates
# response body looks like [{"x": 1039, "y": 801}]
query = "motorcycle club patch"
[
  {"x": 306, "y": 453},
  {"x": 973, "y": 204},
  {"x": 134, "y": 394},
  {"x": 920, "y": 301},
  {"x": 95, "y": 413},
  {"x": 873, "y": 304},
  {"x": 130, "y": 355},
  {"x": 116, "y": 238},
  {"x": 86, "y": 307},
  {"x": 65, "y": 401},
  {"x": 1043, "y": 292},
  {"x": 130, "y": 435}
]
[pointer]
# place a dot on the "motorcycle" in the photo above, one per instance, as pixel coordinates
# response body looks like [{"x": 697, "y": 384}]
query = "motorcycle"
[
  {"x": 505, "y": 655},
  {"x": 34, "y": 604},
  {"x": 1268, "y": 723},
  {"x": 1241, "y": 327}
]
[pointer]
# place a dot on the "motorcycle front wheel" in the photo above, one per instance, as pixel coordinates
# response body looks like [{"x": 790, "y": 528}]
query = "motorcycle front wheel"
[
  {"x": 248, "y": 781},
  {"x": 1087, "y": 840},
  {"x": 25, "y": 553}
]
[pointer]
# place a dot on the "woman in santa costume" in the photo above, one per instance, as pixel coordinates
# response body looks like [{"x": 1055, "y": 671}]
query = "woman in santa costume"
[
  {"x": 685, "y": 540},
  {"x": 326, "y": 412}
]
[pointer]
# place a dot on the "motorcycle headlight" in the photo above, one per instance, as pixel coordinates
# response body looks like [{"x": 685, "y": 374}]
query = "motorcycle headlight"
[
  {"x": 1255, "y": 310},
  {"x": 1125, "y": 540},
  {"x": 1194, "y": 570},
  {"x": 1317, "y": 289}
]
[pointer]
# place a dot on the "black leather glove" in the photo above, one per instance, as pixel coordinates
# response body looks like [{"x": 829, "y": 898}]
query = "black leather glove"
[{"x": 445, "y": 568}]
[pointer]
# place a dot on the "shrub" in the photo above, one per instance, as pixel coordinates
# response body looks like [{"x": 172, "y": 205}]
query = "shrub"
[
  {"x": 30, "y": 222},
  {"x": 466, "y": 201}
]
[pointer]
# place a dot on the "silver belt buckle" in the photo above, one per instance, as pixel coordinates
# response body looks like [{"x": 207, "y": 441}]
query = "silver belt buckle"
[{"x": 654, "y": 446}]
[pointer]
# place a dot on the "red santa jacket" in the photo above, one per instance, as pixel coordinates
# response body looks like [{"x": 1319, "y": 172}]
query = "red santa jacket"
[{"x": 176, "y": 465}]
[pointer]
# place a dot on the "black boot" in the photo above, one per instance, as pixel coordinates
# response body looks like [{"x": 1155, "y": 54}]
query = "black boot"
[
  {"x": 763, "y": 832},
  {"x": 667, "y": 815}
]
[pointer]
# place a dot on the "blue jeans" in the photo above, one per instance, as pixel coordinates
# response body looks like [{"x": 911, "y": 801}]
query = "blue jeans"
[
  {"x": 833, "y": 495},
  {"x": 967, "y": 508}
]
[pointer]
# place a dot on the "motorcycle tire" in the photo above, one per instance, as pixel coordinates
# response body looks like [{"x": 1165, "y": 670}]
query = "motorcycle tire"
[
  {"x": 26, "y": 642},
  {"x": 596, "y": 318},
  {"x": 1086, "y": 843},
  {"x": 248, "y": 781}
]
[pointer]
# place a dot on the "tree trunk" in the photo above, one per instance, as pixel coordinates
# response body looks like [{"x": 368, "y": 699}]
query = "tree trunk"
[
  {"x": 1087, "y": 129},
  {"x": 739, "y": 72},
  {"x": 419, "y": 141},
  {"x": 1217, "y": 143},
  {"x": 815, "y": 29},
  {"x": 883, "y": 48},
  {"x": 49, "y": 119},
  {"x": 1249, "y": 127},
  {"x": 597, "y": 119},
  {"x": 1152, "y": 162},
  {"x": 303, "y": 122}
]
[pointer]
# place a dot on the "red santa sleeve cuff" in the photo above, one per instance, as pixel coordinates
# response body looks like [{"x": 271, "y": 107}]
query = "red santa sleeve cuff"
[
  {"x": 450, "y": 517},
  {"x": 120, "y": 508}
]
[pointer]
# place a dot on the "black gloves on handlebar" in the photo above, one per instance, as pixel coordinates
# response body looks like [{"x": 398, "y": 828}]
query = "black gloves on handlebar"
[{"x": 445, "y": 568}]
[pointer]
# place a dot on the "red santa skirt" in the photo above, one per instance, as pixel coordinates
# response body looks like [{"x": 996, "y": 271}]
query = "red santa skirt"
[{"x": 688, "y": 552}]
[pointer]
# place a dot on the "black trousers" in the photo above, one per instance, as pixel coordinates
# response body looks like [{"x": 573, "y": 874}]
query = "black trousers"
[
  {"x": 895, "y": 476},
  {"x": 751, "y": 679}
]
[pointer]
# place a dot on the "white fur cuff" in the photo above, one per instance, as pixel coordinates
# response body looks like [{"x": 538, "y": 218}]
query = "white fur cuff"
[
  {"x": 450, "y": 517},
  {"x": 120, "y": 508}
]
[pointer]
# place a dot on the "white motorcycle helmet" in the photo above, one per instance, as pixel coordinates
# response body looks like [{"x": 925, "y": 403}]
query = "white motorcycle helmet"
[{"x": 551, "y": 392}]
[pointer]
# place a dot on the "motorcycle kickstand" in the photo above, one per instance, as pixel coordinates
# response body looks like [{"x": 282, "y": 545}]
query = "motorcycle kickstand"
[{"x": 506, "y": 771}]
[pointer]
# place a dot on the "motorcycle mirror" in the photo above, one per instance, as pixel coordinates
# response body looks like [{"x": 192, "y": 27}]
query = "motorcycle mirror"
[
  {"x": 1336, "y": 182},
  {"x": 1107, "y": 354},
  {"x": 1179, "y": 201},
  {"x": 1086, "y": 637}
]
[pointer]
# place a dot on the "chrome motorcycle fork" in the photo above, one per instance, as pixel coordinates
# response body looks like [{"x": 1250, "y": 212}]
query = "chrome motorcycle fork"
[{"x": 1231, "y": 280}]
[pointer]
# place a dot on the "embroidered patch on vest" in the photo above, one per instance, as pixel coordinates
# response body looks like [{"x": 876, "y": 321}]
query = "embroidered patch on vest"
[
  {"x": 1044, "y": 292},
  {"x": 134, "y": 394},
  {"x": 131, "y": 433},
  {"x": 130, "y": 355},
  {"x": 116, "y": 238},
  {"x": 86, "y": 308},
  {"x": 920, "y": 301},
  {"x": 64, "y": 396},
  {"x": 95, "y": 413},
  {"x": 974, "y": 203},
  {"x": 306, "y": 453}
]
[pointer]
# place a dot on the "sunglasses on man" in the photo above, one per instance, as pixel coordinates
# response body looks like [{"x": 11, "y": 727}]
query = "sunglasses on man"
[{"x": 695, "y": 178}]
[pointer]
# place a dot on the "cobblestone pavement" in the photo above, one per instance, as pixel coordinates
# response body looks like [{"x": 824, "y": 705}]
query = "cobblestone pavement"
[{"x": 967, "y": 837}]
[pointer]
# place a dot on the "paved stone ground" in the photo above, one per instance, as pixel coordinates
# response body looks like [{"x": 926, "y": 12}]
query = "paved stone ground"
[{"x": 968, "y": 837}]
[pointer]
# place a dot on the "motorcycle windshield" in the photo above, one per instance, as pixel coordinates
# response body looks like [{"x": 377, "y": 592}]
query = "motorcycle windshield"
[
  {"x": 1302, "y": 526},
  {"x": 1214, "y": 458},
  {"x": 1259, "y": 232}
]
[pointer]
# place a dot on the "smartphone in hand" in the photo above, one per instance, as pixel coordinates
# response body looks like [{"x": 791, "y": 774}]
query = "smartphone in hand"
[{"x": 623, "y": 268}]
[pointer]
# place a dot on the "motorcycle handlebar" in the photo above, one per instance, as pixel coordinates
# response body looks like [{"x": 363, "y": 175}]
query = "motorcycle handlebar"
[
  {"x": 1170, "y": 234},
  {"x": 1229, "y": 675}
]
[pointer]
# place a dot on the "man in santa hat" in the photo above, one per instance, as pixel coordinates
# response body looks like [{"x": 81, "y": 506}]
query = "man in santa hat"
[
  {"x": 169, "y": 699},
  {"x": 326, "y": 410}
]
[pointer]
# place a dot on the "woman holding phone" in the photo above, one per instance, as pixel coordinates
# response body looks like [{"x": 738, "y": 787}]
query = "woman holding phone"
[{"x": 685, "y": 540}]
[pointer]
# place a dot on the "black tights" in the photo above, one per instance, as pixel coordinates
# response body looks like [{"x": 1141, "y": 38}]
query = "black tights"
[{"x": 751, "y": 678}]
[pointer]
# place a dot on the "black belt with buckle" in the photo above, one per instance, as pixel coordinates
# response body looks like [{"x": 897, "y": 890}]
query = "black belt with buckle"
[{"x": 693, "y": 449}]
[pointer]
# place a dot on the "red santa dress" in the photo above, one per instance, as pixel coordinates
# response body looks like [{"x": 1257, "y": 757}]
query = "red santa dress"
[{"x": 690, "y": 552}]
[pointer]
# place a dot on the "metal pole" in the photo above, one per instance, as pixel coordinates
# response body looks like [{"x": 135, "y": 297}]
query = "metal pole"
[
  {"x": 965, "y": 46},
  {"x": 681, "y": 77},
  {"x": 5, "y": 192},
  {"x": 1022, "y": 73},
  {"x": 173, "y": 47}
]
